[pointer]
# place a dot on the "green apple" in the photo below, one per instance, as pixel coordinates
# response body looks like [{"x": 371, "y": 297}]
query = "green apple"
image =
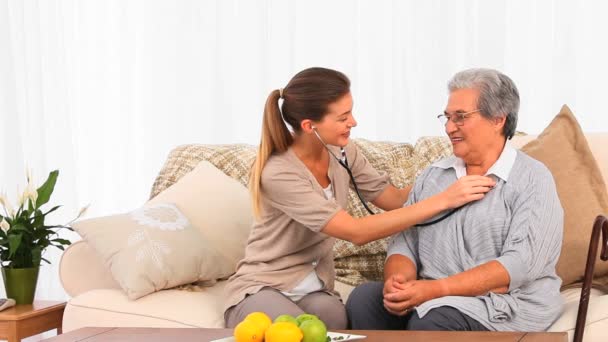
[
  {"x": 286, "y": 318},
  {"x": 314, "y": 330},
  {"x": 306, "y": 317}
]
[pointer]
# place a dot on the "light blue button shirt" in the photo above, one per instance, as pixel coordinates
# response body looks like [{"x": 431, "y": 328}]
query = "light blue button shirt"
[{"x": 519, "y": 223}]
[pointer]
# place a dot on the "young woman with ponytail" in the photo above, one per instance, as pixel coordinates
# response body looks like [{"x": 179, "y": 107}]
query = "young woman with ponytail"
[{"x": 299, "y": 192}]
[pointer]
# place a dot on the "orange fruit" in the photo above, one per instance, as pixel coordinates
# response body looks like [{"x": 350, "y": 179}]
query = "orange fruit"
[
  {"x": 248, "y": 331},
  {"x": 283, "y": 332},
  {"x": 259, "y": 318}
]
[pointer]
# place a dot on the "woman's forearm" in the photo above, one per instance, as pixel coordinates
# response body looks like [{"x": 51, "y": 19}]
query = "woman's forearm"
[
  {"x": 370, "y": 228},
  {"x": 392, "y": 198},
  {"x": 363, "y": 230}
]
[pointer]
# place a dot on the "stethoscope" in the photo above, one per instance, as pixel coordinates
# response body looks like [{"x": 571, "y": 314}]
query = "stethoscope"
[{"x": 343, "y": 161}]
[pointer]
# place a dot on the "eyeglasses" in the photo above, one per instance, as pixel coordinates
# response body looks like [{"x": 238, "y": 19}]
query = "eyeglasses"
[{"x": 456, "y": 118}]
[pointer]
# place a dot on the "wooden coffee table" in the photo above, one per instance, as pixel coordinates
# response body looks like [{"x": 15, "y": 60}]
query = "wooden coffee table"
[
  {"x": 22, "y": 321},
  {"x": 196, "y": 334}
]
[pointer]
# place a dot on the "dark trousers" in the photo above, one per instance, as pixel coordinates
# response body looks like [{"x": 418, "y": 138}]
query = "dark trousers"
[{"x": 366, "y": 311}]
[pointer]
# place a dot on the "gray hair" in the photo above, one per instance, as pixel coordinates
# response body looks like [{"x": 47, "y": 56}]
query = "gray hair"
[{"x": 498, "y": 95}]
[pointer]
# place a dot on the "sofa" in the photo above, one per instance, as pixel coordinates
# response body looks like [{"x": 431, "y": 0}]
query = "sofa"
[{"x": 97, "y": 299}]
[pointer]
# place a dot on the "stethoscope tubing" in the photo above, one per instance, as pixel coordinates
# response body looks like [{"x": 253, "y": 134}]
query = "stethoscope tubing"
[{"x": 343, "y": 161}]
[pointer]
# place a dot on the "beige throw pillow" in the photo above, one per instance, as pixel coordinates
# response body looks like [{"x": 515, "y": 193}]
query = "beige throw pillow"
[
  {"x": 563, "y": 149},
  {"x": 219, "y": 206},
  {"x": 152, "y": 248}
]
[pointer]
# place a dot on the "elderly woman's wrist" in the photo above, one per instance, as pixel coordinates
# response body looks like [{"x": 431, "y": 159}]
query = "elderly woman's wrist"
[{"x": 442, "y": 288}]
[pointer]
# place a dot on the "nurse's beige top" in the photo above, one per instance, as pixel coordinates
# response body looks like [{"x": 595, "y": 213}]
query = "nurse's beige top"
[{"x": 286, "y": 244}]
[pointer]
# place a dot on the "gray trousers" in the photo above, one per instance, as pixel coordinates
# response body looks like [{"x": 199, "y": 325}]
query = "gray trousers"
[
  {"x": 272, "y": 302},
  {"x": 366, "y": 312}
]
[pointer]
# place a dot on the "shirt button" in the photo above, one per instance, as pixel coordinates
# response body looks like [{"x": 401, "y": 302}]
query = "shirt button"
[{"x": 314, "y": 263}]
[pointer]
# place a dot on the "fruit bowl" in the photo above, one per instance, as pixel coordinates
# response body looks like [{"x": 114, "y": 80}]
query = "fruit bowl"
[{"x": 334, "y": 337}]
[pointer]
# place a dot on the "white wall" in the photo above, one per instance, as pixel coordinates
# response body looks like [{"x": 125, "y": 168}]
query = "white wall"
[{"x": 102, "y": 90}]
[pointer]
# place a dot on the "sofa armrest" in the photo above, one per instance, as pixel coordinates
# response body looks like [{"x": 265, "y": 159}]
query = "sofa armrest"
[{"x": 81, "y": 270}]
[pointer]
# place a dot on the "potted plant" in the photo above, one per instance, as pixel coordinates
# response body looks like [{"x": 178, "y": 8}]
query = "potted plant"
[{"x": 24, "y": 236}]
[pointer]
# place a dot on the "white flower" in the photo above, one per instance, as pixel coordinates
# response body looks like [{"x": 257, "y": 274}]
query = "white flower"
[
  {"x": 21, "y": 199},
  {"x": 4, "y": 225},
  {"x": 31, "y": 193},
  {"x": 28, "y": 173},
  {"x": 83, "y": 210},
  {"x": 8, "y": 208},
  {"x": 3, "y": 200},
  {"x": 164, "y": 216}
]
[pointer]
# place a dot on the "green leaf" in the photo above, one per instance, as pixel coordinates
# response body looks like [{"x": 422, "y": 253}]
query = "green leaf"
[
  {"x": 38, "y": 220},
  {"x": 45, "y": 191},
  {"x": 21, "y": 228},
  {"x": 59, "y": 227},
  {"x": 41, "y": 233},
  {"x": 53, "y": 209},
  {"x": 14, "y": 241},
  {"x": 36, "y": 255},
  {"x": 24, "y": 214},
  {"x": 62, "y": 241}
]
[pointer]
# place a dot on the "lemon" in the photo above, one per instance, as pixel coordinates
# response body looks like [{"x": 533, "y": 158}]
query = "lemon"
[
  {"x": 283, "y": 332},
  {"x": 259, "y": 318},
  {"x": 248, "y": 331}
]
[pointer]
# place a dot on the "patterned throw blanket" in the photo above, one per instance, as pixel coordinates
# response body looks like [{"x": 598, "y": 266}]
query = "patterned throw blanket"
[{"x": 354, "y": 265}]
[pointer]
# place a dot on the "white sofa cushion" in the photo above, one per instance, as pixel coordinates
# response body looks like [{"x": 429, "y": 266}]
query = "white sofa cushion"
[
  {"x": 203, "y": 309},
  {"x": 596, "y": 327},
  {"x": 162, "y": 309}
]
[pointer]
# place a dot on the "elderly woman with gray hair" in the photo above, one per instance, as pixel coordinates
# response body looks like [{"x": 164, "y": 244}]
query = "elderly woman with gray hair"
[{"x": 489, "y": 265}]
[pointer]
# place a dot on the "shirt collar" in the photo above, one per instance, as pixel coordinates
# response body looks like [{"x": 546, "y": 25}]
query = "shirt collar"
[{"x": 501, "y": 168}]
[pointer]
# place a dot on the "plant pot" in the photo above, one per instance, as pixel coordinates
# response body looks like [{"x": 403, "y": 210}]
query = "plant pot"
[{"x": 20, "y": 283}]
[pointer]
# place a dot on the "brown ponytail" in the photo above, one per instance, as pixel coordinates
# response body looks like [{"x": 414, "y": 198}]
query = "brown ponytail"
[
  {"x": 275, "y": 138},
  {"x": 307, "y": 96}
]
